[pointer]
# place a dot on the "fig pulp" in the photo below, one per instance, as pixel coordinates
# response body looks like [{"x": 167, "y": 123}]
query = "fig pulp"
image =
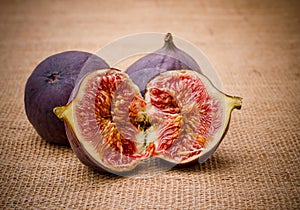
[
  {"x": 183, "y": 118},
  {"x": 188, "y": 116},
  {"x": 102, "y": 122},
  {"x": 169, "y": 57},
  {"x": 50, "y": 85}
]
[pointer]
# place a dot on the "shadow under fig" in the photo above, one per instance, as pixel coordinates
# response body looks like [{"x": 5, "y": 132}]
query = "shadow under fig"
[
  {"x": 155, "y": 167},
  {"x": 216, "y": 162}
]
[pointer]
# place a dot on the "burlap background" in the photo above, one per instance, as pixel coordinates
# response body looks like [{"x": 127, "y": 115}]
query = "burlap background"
[{"x": 254, "y": 46}]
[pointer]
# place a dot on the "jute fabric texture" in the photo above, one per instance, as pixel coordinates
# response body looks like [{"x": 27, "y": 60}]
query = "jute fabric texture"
[{"x": 255, "y": 48}]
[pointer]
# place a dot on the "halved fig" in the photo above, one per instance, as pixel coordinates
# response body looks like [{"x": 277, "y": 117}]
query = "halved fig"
[
  {"x": 188, "y": 116},
  {"x": 102, "y": 121},
  {"x": 111, "y": 127}
]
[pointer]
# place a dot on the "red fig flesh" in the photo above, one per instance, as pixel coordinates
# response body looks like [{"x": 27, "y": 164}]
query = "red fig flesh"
[
  {"x": 102, "y": 121},
  {"x": 188, "y": 115}
]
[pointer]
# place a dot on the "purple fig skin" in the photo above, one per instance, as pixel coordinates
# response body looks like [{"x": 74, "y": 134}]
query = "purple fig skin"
[
  {"x": 169, "y": 57},
  {"x": 50, "y": 85}
]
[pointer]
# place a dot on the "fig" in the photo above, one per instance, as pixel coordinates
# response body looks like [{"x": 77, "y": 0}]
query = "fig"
[
  {"x": 111, "y": 127},
  {"x": 50, "y": 85},
  {"x": 169, "y": 57},
  {"x": 189, "y": 116},
  {"x": 104, "y": 121}
]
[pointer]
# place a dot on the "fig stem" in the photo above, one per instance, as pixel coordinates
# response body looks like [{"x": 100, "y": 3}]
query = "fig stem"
[
  {"x": 236, "y": 102},
  {"x": 169, "y": 41},
  {"x": 59, "y": 111},
  {"x": 168, "y": 37}
]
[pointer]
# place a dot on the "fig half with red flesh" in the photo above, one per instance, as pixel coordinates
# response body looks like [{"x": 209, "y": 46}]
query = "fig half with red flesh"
[
  {"x": 188, "y": 116},
  {"x": 102, "y": 121},
  {"x": 111, "y": 127}
]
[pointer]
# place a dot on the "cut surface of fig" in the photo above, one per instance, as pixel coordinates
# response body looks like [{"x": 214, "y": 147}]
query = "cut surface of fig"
[
  {"x": 188, "y": 116},
  {"x": 182, "y": 119},
  {"x": 103, "y": 119}
]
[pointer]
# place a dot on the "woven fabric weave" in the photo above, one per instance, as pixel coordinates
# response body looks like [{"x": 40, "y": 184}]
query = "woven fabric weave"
[{"x": 254, "y": 46}]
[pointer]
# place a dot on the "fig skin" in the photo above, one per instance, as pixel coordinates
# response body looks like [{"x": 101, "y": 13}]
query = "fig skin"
[
  {"x": 169, "y": 57},
  {"x": 50, "y": 85}
]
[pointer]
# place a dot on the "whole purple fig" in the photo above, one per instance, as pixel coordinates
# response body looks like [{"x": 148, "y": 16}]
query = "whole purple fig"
[
  {"x": 50, "y": 85},
  {"x": 169, "y": 57}
]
